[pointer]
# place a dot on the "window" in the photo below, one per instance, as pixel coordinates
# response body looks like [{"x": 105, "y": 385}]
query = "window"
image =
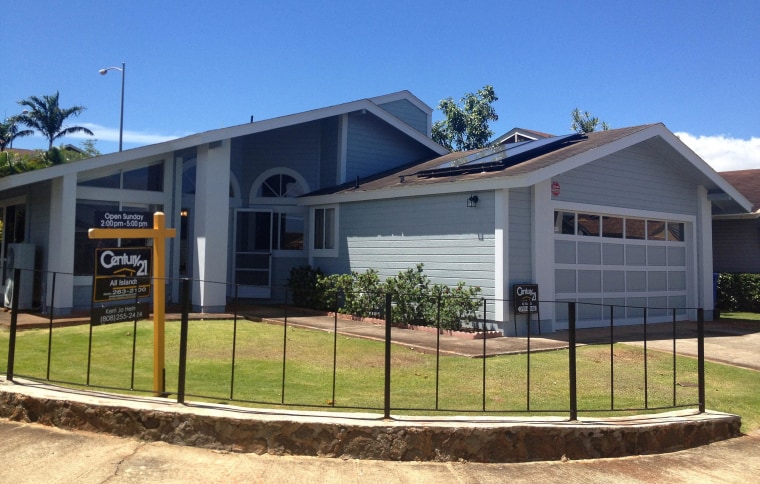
[
  {"x": 148, "y": 178},
  {"x": 564, "y": 223},
  {"x": 655, "y": 230},
  {"x": 277, "y": 188},
  {"x": 612, "y": 227},
  {"x": 634, "y": 229},
  {"x": 324, "y": 228},
  {"x": 287, "y": 233},
  {"x": 86, "y": 215},
  {"x": 588, "y": 224}
]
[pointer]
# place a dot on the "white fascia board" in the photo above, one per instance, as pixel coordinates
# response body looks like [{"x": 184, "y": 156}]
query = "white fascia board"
[{"x": 168, "y": 147}]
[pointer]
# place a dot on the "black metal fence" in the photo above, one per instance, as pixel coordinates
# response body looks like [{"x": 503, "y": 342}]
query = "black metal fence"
[{"x": 273, "y": 357}]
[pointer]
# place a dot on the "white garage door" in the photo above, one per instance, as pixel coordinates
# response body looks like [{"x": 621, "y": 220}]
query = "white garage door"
[{"x": 624, "y": 262}]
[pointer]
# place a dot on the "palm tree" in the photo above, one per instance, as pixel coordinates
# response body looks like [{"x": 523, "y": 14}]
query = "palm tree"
[
  {"x": 47, "y": 117},
  {"x": 9, "y": 131}
]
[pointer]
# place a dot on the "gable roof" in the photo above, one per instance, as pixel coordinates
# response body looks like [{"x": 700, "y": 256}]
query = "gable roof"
[
  {"x": 370, "y": 105},
  {"x": 515, "y": 135},
  {"x": 494, "y": 170}
]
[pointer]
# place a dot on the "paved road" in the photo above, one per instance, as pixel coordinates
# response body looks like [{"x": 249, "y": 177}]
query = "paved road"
[{"x": 34, "y": 453}]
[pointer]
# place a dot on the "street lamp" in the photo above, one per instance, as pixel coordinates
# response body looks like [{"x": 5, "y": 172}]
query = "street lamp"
[{"x": 123, "y": 70}]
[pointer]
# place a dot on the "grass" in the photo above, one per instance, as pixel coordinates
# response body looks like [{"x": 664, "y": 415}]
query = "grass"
[
  {"x": 740, "y": 315},
  {"x": 419, "y": 382}
]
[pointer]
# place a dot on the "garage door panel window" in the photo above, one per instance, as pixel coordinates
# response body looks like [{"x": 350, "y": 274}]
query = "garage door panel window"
[
  {"x": 589, "y": 253},
  {"x": 656, "y": 256}
]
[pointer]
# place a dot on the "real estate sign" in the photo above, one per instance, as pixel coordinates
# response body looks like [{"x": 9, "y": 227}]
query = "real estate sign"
[
  {"x": 121, "y": 273},
  {"x": 526, "y": 298}
]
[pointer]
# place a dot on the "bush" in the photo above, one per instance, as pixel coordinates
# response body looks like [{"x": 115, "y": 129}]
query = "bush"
[
  {"x": 415, "y": 299},
  {"x": 738, "y": 292},
  {"x": 302, "y": 284}
]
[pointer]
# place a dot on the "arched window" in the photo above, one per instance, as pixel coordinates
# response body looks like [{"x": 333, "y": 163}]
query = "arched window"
[{"x": 277, "y": 188}]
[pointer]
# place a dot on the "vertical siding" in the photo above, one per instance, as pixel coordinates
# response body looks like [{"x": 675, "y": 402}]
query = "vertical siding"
[
  {"x": 640, "y": 177},
  {"x": 408, "y": 113},
  {"x": 455, "y": 243},
  {"x": 736, "y": 245},
  {"x": 373, "y": 147},
  {"x": 520, "y": 236}
]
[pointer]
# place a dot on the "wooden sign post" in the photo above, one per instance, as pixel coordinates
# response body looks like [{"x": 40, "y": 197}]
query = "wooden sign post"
[{"x": 159, "y": 233}]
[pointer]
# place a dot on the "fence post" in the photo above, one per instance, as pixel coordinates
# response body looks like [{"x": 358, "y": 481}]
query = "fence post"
[
  {"x": 571, "y": 362},
  {"x": 14, "y": 324},
  {"x": 387, "y": 392},
  {"x": 701, "y": 357},
  {"x": 183, "y": 340}
]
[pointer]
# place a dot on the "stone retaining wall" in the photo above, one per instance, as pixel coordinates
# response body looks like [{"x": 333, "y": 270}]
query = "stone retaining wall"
[{"x": 363, "y": 436}]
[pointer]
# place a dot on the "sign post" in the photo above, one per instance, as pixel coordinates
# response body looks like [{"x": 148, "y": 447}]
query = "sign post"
[{"x": 159, "y": 233}]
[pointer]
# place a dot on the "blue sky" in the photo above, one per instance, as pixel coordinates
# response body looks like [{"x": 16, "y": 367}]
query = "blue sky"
[{"x": 197, "y": 65}]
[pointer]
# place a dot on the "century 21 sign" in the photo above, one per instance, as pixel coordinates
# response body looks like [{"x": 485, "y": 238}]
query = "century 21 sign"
[{"x": 122, "y": 273}]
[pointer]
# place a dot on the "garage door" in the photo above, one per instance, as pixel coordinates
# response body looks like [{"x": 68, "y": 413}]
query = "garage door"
[{"x": 624, "y": 262}]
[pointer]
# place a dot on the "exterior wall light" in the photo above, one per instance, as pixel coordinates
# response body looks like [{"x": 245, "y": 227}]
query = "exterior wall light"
[{"x": 472, "y": 202}]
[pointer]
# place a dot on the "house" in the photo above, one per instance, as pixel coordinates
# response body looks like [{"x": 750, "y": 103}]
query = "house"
[
  {"x": 616, "y": 217},
  {"x": 619, "y": 217},
  {"x": 736, "y": 236}
]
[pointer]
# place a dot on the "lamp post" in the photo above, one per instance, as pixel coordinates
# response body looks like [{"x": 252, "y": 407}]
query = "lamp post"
[{"x": 123, "y": 70}]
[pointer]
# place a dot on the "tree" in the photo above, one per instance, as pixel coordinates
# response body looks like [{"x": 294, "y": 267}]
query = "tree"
[
  {"x": 9, "y": 131},
  {"x": 585, "y": 123},
  {"x": 466, "y": 127},
  {"x": 46, "y": 116}
]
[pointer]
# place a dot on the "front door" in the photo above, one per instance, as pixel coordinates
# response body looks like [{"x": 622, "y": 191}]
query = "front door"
[{"x": 253, "y": 253}]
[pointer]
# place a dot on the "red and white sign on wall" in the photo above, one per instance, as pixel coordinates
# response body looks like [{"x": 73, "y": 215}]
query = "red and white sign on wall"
[{"x": 555, "y": 189}]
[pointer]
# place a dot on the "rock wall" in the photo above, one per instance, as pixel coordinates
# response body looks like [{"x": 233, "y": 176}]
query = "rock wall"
[{"x": 339, "y": 435}]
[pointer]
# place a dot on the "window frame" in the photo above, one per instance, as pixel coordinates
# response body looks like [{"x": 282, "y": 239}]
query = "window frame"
[{"x": 333, "y": 231}]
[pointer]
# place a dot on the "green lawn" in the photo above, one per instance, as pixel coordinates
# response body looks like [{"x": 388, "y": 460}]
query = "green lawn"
[{"x": 359, "y": 380}]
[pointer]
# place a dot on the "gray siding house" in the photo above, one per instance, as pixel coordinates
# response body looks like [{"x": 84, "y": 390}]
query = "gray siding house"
[
  {"x": 736, "y": 237},
  {"x": 618, "y": 217}
]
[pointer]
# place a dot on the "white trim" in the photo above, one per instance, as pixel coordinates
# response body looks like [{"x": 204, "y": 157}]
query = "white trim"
[
  {"x": 543, "y": 246},
  {"x": 334, "y": 252},
  {"x": 340, "y": 176},
  {"x": 5, "y": 202},
  {"x": 281, "y": 170},
  {"x": 501, "y": 255}
]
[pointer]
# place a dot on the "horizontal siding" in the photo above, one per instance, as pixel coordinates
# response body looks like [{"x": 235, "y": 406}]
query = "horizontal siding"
[
  {"x": 736, "y": 246},
  {"x": 408, "y": 113},
  {"x": 455, "y": 243},
  {"x": 374, "y": 146},
  {"x": 633, "y": 178}
]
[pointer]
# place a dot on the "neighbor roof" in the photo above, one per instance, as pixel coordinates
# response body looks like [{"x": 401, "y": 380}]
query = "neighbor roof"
[{"x": 747, "y": 182}]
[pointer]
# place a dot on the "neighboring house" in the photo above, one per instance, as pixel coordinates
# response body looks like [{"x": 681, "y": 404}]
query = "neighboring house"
[
  {"x": 518, "y": 135},
  {"x": 736, "y": 237},
  {"x": 615, "y": 217}
]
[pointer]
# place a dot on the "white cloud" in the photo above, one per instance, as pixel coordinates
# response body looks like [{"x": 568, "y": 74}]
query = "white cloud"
[
  {"x": 130, "y": 137},
  {"x": 724, "y": 153}
]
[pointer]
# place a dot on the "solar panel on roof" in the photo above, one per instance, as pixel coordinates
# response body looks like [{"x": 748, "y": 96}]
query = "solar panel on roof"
[{"x": 499, "y": 157}]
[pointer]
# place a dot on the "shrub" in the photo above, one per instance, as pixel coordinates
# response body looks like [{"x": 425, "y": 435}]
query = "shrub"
[
  {"x": 738, "y": 292},
  {"x": 302, "y": 284}
]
